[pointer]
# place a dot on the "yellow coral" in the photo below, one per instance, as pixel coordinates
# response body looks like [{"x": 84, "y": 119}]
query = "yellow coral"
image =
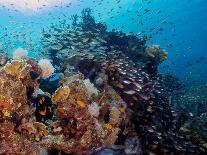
[
  {"x": 60, "y": 95},
  {"x": 6, "y": 113},
  {"x": 108, "y": 126},
  {"x": 17, "y": 68}
]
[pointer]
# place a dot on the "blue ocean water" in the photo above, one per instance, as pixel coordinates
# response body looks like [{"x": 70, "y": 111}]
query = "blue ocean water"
[{"x": 178, "y": 26}]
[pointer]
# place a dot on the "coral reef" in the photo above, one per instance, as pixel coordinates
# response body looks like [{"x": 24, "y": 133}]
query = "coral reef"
[
  {"x": 123, "y": 66},
  {"x": 67, "y": 120},
  {"x": 104, "y": 96},
  {"x": 13, "y": 93},
  {"x": 130, "y": 67}
]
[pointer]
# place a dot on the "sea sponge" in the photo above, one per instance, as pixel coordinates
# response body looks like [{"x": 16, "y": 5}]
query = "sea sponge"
[
  {"x": 20, "y": 53},
  {"x": 46, "y": 67}
]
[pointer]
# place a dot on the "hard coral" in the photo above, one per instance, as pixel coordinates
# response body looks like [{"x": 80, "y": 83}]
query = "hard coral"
[
  {"x": 74, "y": 123},
  {"x": 114, "y": 116},
  {"x": 14, "y": 82},
  {"x": 34, "y": 130}
]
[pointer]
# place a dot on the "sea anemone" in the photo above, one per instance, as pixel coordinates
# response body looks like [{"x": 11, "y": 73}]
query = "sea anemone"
[
  {"x": 20, "y": 53},
  {"x": 46, "y": 67}
]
